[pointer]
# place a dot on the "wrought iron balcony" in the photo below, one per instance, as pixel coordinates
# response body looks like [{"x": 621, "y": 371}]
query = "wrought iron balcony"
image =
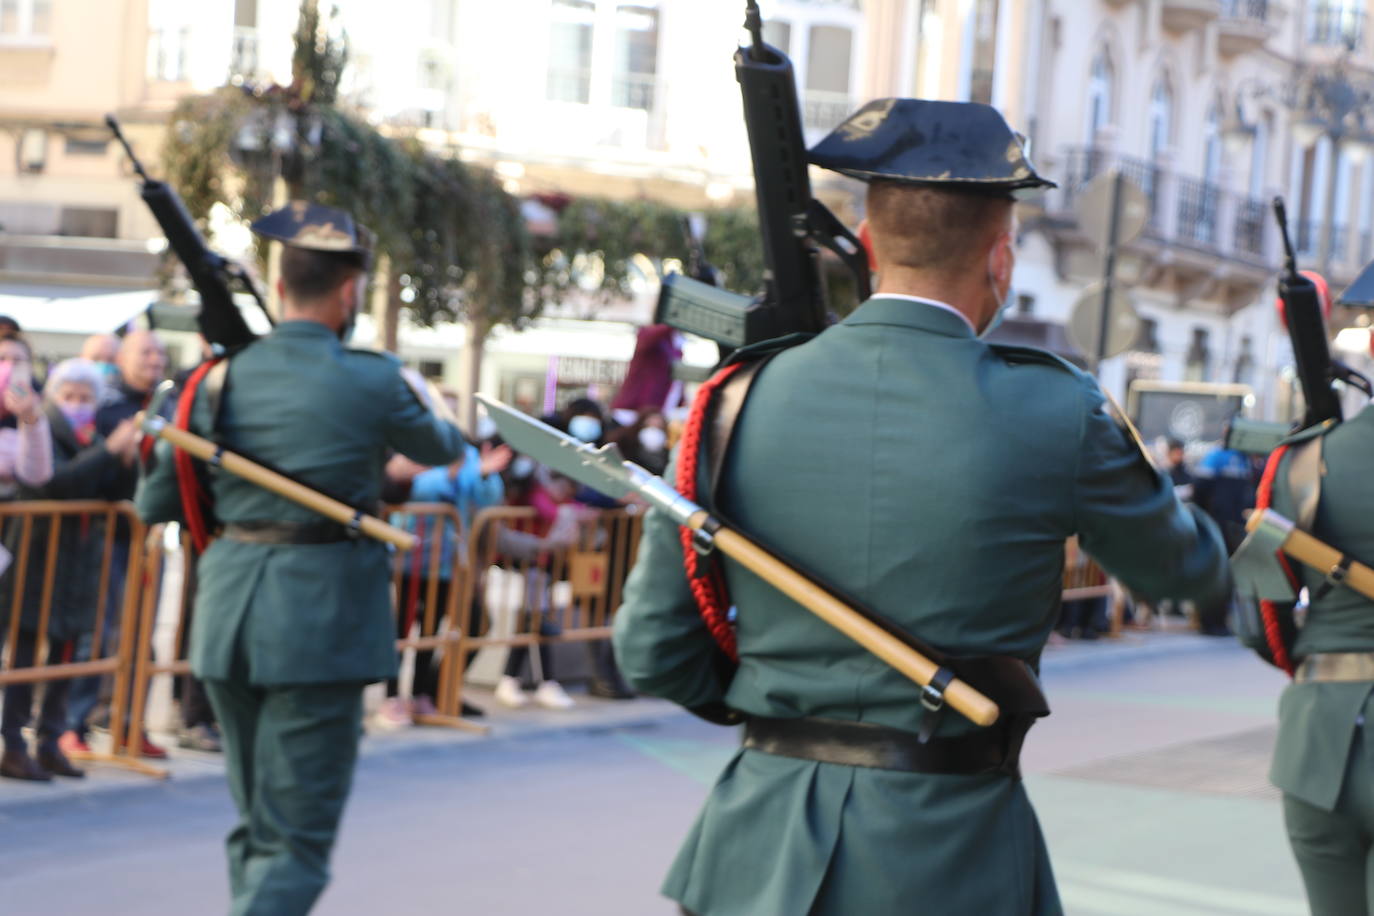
[
  {"x": 1185, "y": 15},
  {"x": 1244, "y": 26},
  {"x": 823, "y": 111},
  {"x": 1184, "y": 211},
  {"x": 1337, "y": 23},
  {"x": 243, "y": 58}
]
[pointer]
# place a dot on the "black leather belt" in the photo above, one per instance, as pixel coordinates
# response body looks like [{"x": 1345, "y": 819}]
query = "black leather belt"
[
  {"x": 863, "y": 744},
  {"x": 287, "y": 532}
]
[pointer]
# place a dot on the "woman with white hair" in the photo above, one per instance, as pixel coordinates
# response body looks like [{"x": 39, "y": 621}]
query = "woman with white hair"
[{"x": 85, "y": 466}]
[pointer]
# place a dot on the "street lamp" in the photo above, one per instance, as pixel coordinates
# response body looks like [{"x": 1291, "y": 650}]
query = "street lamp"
[
  {"x": 1332, "y": 101},
  {"x": 1335, "y": 103}
]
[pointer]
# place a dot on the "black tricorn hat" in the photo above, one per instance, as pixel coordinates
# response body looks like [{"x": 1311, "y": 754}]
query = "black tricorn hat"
[
  {"x": 960, "y": 146},
  {"x": 316, "y": 227}
]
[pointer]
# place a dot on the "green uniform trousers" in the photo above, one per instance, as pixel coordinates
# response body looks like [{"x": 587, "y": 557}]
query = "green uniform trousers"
[
  {"x": 1335, "y": 849},
  {"x": 290, "y": 751}
]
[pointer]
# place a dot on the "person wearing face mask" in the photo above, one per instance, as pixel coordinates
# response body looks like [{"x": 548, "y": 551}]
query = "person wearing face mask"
[
  {"x": 645, "y": 441},
  {"x": 140, "y": 363},
  {"x": 85, "y": 466},
  {"x": 932, "y": 477},
  {"x": 293, "y": 612}
]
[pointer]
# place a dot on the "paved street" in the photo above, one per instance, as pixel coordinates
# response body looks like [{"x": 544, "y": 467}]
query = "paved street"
[{"x": 1149, "y": 780}]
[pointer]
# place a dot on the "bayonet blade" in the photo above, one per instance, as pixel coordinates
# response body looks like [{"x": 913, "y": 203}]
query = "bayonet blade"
[{"x": 603, "y": 469}]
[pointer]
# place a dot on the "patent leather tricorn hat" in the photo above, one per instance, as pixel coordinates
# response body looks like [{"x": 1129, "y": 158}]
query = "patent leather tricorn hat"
[{"x": 959, "y": 146}]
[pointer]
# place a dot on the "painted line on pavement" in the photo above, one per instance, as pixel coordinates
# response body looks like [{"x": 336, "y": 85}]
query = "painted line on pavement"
[{"x": 1125, "y": 893}]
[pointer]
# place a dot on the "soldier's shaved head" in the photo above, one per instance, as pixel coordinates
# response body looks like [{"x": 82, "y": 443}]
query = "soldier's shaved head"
[{"x": 932, "y": 230}]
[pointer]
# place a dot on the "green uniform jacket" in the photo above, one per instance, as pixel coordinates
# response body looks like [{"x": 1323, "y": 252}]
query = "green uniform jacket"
[
  {"x": 303, "y": 403},
  {"x": 1317, "y": 721},
  {"x": 936, "y": 479}
]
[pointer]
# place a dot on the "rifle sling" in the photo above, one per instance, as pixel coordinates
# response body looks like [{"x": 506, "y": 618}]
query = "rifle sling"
[{"x": 1007, "y": 680}]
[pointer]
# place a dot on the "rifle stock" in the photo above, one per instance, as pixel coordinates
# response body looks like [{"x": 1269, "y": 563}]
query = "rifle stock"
[{"x": 791, "y": 222}]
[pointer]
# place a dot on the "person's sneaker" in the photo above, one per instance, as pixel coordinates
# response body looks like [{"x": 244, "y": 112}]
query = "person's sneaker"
[
  {"x": 423, "y": 706},
  {"x": 55, "y": 762},
  {"x": 74, "y": 746},
  {"x": 469, "y": 711},
  {"x": 17, "y": 764},
  {"x": 146, "y": 748},
  {"x": 394, "y": 713},
  {"x": 508, "y": 693},
  {"x": 202, "y": 737},
  {"x": 551, "y": 695}
]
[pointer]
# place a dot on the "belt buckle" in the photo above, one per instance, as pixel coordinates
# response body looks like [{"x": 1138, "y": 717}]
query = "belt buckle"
[{"x": 932, "y": 699}]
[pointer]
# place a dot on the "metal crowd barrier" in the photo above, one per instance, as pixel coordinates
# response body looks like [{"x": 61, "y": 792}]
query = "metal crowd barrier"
[
  {"x": 53, "y": 544},
  {"x": 517, "y": 580}
]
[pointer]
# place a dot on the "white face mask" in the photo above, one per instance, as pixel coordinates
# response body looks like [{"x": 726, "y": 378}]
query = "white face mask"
[
  {"x": 586, "y": 428},
  {"x": 522, "y": 467},
  {"x": 652, "y": 439},
  {"x": 1003, "y": 302}
]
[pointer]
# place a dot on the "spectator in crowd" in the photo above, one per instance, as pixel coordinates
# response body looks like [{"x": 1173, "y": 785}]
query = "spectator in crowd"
[
  {"x": 645, "y": 441},
  {"x": 142, "y": 364},
  {"x": 555, "y": 525},
  {"x": 25, "y": 463},
  {"x": 9, "y": 327},
  {"x": 103, "y": 350},
  {"x": 85, "y": 465},
  {"x": 469, "y": 485},
  {"x": 1177, "y": 471},
  {"x": 584, "y": 419},
  {"x": 649, "y": 382},
  {"x": 1224, "y": 487}
]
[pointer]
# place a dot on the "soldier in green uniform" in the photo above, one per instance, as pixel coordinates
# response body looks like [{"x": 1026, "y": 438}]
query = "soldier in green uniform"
[
  {"x": 934, "y": 478},
  {"x": 292, "y": 615},
  {"x": 1324, "y": 761}
]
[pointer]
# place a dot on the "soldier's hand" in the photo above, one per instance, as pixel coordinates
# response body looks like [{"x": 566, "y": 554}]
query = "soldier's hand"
[
  {"x": 495, "y": 460},
  {"x": 401, "y": 469}
]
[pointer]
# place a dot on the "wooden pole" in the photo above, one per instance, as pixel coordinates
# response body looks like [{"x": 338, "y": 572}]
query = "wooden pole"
[
  {"x": 1321, "y": 556},
  {"x": 961, "y": 696},
  {"x": 284, "y": 486}
]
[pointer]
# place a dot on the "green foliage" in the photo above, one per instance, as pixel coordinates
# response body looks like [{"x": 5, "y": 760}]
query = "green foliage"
[{"x": 455, "y": 237}]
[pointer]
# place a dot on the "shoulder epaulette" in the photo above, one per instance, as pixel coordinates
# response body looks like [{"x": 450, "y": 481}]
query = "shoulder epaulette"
[
  {"x": 1311, "y": 432},
  {"x": 368, "y": 351},
  {"x": 1019, "y": 355},
  {"x": 764, "y": 348}
]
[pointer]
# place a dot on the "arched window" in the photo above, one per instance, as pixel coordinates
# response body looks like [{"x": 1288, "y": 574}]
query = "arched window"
[
  {"x": 1101, "y": 82},
  {"x": 1161, "y": 117}
]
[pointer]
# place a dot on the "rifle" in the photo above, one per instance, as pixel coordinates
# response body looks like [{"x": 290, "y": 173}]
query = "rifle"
[
  {"x": 793, "y": 223},
  {"x": 1317, "y": 370},
  {"x": 221, "y": 322}
]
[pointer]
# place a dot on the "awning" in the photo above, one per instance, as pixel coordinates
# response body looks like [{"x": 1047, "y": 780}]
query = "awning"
[{"x": 75, "y": 310}]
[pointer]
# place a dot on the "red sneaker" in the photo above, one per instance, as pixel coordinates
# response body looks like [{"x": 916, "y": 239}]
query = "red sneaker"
[
  {"x": 150, "y": 750},
  {"x": 73, "y": 745}
]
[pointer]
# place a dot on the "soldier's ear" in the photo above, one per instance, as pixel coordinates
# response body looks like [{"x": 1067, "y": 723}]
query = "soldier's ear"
[{"x": 866, "y": 240}]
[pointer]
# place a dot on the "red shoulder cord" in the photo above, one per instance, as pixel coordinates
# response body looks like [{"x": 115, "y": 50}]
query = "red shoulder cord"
[
  {"x": 1269, "y": 611},
  {"x": 704, "y": 576},
  {"x": 194, "y": 500}
]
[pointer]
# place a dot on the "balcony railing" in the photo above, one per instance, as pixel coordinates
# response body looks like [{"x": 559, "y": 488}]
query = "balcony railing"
[
  {"x": 1257, "y": 10},
  {"x": 1339, "y": 23},
  {"x": 243, "y": 60},
  {"x": 569, "y": 86},
  {"x": 824, "y": 110},
  {"x": 634, "y": 90},
  {"x": 1183, "y": 210}
]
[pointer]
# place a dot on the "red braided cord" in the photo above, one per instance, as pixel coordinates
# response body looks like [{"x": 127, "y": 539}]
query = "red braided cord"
[
  {"x": 193, "y": 497},
  {"x": 708, "y": 588},
  {"x": 1269, "y": 612}
]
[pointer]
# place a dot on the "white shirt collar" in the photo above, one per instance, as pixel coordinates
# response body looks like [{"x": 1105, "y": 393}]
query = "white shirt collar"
[{"x": 935, "y": 302}]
